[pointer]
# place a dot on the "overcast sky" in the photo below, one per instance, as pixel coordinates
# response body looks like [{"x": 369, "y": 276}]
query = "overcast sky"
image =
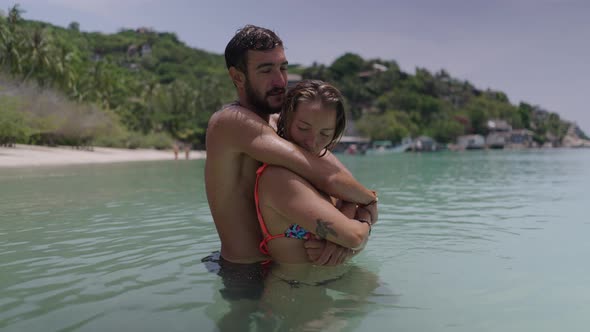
[{"x": 536, "y": 51}]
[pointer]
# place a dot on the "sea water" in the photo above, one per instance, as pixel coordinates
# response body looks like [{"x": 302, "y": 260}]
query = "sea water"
[{"x": 466, "y": 241}]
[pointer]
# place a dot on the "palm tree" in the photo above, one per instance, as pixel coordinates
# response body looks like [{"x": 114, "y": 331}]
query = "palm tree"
[
  {"x": 38, "y": 55},
  {"x": 10, "y": 41},
  {"x": 104, "y": 84},
  {"x": 15, "y": 15},
  {"x": 148, "y": 97},
  {"x": 65, "y": 66},
  {"x": 5, "y": 37}
]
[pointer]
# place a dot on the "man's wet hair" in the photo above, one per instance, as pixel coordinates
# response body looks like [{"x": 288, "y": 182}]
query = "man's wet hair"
[{"x": 249, "y": 38}]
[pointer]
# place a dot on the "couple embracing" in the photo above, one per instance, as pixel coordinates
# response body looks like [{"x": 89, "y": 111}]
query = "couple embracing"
[{"x": 276, "y": 192}]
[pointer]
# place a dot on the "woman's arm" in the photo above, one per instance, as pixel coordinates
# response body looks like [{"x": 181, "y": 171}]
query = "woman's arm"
[
  {"x": 322, "y": 252},
  {"x": 298, "y": 201}
]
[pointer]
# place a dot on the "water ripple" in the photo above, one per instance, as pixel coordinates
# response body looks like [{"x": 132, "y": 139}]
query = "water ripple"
[{"x": 82, "y": 247}]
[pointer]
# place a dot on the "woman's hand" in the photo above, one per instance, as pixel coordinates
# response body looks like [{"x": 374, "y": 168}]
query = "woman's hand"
[
  {"x": 322, "y": 252},
  {"x": 372, "y": 210}
]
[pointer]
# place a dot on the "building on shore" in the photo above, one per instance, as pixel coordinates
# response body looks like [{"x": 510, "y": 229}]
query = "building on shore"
[
  {"x": 520, "y": 138},
  {"x": 498, "y": 133},
  {"x": 471, "y": 142},
  {"x": 501, "y": 135},
  {"x": 496, "y": 140},
  {"x": 513, "y": 139},
  {"x": 424, "y": 144}
]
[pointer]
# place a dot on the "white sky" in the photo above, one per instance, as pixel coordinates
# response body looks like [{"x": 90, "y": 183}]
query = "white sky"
[{"x": 536, "y": 51}]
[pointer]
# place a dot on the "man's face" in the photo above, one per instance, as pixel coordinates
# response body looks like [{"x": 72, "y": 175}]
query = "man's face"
[{"x": 266, "y": 80}]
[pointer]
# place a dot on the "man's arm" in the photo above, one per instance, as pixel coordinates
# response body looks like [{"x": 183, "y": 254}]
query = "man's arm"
[{"x": 244, "y": 131}]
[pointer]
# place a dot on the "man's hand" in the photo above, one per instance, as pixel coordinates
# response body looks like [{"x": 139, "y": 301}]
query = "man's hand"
[{"x": 322, "y": 252}]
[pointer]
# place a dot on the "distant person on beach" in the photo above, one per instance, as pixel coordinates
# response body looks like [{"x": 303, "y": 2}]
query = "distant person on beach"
[
  {"x": 187, "y": 150},
  {"x": 186, "y": 147},
  {"x": 176, "y": 148}
]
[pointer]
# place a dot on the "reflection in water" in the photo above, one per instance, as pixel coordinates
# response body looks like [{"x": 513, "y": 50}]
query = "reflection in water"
[
  {"x": 272, "y": 297},
  {"x": 313, "y": 304}
]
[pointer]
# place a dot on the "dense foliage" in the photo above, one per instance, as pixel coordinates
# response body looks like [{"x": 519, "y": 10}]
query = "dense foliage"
[
  {"x": 147, "y": 84},
  {"x": 391, "y": 104},
  {"x": 150, "y": 82}
]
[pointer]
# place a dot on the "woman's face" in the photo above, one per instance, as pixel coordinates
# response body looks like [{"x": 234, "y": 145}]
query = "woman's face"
[{"x": 313, "y": 126}]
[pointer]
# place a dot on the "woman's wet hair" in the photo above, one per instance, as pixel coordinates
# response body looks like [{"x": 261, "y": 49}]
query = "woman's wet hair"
[
  {"x": 249, "y": 38},
  {"x": 309, "y": 91}
]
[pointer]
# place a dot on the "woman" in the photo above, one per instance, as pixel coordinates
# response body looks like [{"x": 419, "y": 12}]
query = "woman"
[{"x": 290, "y": 209}]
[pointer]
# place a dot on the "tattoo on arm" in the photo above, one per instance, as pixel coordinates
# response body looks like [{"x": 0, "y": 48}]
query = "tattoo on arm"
[{"x": 323, "y": 228}]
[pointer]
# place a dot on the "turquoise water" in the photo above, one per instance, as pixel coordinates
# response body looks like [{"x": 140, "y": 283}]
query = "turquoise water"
[{"x": 478, "y": 241}]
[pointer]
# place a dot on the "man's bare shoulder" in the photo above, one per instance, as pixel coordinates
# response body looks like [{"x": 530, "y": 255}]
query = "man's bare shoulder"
[
  {"x": 233, "y": 128},
  {"x": 232, "y": 113}
]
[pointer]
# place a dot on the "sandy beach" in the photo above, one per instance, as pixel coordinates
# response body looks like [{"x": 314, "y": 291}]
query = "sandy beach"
[{"x": 32, "y": 155}]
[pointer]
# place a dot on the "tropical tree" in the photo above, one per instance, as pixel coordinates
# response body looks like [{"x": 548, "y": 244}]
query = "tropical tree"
[
  {"x": 10, "y": 39},
  {"x": 148, "y": 95},
  {"x": 390, "y": 125},
  {"x": 66, "y": 67},
  {"x": 347, "y": 65},
  {"x": 74, "y": 26},
  {"x": 317, "y": 72},
  {"x": 103, "y": 85},
  {"x": 38, "y": 56},
  {"x": 445, "y": 130}
]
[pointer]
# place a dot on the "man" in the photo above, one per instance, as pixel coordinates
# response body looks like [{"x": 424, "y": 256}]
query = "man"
[{"x": 240, "y": 138}]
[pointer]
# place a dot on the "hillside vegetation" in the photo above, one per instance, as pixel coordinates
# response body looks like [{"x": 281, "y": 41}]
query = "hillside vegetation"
[{"x": 139, "y": 87}]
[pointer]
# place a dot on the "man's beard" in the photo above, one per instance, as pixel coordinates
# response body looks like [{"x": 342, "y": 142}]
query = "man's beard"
[{"x": 261, "y": 104}]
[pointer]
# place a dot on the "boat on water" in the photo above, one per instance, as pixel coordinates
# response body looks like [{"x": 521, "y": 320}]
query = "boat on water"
[{"x": 387, "y": 147}]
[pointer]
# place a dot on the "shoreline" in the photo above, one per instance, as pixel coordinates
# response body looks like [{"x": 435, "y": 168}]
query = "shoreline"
[
  {"x": 23, "y": 155},
  {"x": 38, "y": 156}
]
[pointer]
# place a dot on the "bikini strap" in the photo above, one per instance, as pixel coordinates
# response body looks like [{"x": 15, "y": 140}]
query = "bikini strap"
[{"x": 263, "y": 247}]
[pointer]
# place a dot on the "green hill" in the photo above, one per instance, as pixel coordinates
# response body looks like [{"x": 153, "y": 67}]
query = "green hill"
[
  {"x": 150, "y": 84},
  {"x": 391, "y": 104}
]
